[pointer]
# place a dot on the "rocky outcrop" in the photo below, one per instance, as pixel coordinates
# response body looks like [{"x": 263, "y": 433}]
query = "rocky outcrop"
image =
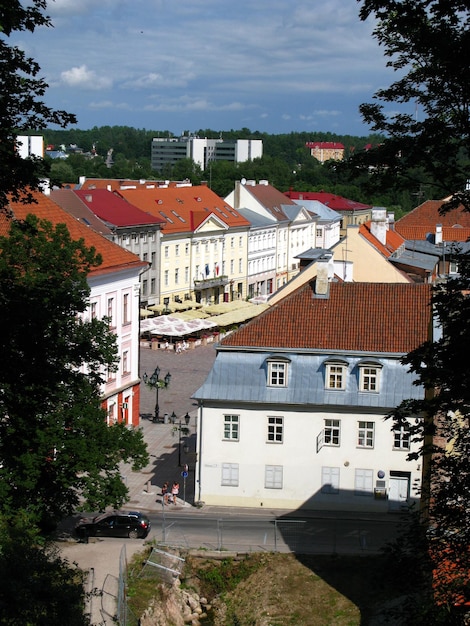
[{"x": 175, "y": 607}]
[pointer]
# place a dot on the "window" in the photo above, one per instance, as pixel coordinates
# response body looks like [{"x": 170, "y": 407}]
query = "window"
[
  {"x": 153, "y": 259},
  {"x": 166, "y": 278},
  {"x": 240, "y": 266},
  {"x": 365, "y": 435},
  {"x": 332, "y": 432},
  {"x": 125, "y": 309},
  {"x": 369, "y": 377},
  {"x": 144, "y": 287},
  {"x": 363, "y": 482},
  {"x": 186, "y": 275},
  {"x": 177, "y": 250},
  {"x": 319, "y": 233},
  {"x": 94, "y": 307},
  {"x": 231, "y": 427},
  {"x": 277, "y": 374},
  {"x": 330, "y": 480},
  {"x": 152, "y": 285},
  {"x": 186, "y": 249},
  {"x": 177, "y": 275},
  {"x": 145, "y": 256},
  {"x": 401, "y": 438},
  {"x": 336, "y": 375},
  {"x": 275, "y": 429},
  {"x": 166, "y": 252},
  {"x": 125, "y": 362},
  {"x": 232, "y": 266},
  {"x": 273, "y": 477},
  {"x": 110, "y": 311},
  {"x": 230, "y": 474}
]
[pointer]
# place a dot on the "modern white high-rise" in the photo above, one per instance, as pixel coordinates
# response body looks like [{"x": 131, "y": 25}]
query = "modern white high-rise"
[{"x": 169, "y": 150}]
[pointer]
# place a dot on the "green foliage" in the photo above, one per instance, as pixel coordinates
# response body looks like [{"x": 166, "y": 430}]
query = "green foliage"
[
  {"x": 21, "y": 107},
  {"x": 55, "y": 445},
  {"x": 38, "y": 587},
  {"x": 225, "y": 575},
  {"x": 427, "y": 141}
]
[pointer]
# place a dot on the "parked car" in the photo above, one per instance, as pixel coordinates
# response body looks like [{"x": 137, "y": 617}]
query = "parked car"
[{"x": 130, "y": 524}]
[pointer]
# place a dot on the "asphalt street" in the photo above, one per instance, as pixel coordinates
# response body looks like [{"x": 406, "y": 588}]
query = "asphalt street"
[{"x": 212, "y": 528}]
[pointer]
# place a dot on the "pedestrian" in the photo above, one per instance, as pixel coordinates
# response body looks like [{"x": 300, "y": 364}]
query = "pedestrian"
[
  {"x": 178, "y": 348},
  {"x": 175, "y": 491},
  {"x": 165, "y": 492},
  {"x": 167, "y": 345}
]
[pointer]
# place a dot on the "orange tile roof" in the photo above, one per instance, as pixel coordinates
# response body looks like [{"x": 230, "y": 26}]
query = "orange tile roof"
[
  {"x": 365, "y": 317},
  {"x": 184, "y": 209},
  {"x": 114, "y": 184},
  {"x": 393, "y": 240},
  {"x": 422, "y": 220},
  {"x": 114, "y": 257}
]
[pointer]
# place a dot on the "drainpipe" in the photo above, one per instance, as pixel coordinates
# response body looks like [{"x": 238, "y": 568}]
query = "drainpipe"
[{"x": 199, "y": 454}]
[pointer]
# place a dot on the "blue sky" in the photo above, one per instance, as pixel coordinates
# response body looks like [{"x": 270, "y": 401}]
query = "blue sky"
[{"x": 268, "y": 65}]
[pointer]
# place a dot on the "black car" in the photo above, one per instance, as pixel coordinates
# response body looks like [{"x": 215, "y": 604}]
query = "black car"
[{"x": 130, "y": 524}]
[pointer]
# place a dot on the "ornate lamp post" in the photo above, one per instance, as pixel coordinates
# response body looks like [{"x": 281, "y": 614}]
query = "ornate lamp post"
[
  {"x": 155, "y": 382},
  {"x": 185, "y": 431}
]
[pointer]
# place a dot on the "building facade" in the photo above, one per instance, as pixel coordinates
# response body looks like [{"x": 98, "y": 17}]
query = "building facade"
[
  {"x": 292, "y": 413},
  {"x": 166, "y": 151}
]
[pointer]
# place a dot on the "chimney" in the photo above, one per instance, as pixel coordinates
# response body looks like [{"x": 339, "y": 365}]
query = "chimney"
[
  {"x": 438, "y": 236},
  {"x": 89, "y": 197},
  {"x": 236, "y": 195},
  {"x": 379, "y": 225},
  {"x": 391, "y": 221},
  {"x": 321, "y": 281}
]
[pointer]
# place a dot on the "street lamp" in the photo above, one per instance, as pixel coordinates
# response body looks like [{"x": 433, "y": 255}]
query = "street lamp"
[
  {"x": 155, "y": 382},
  {"x": 185, "y": 431}
]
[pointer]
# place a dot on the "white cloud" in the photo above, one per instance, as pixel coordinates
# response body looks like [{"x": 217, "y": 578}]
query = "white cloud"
[{"x": 84, "y": 78}]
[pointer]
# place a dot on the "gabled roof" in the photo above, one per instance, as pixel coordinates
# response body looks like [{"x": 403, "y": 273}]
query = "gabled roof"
[
  {"x": 257, "y": 220},
  {"x": 321, "y": 211},
  {"x": 422, "y": 221},
  {"x": 184, "y": 209},
  {"x": 114, "y": 257},
  {"x": 73, "y": 205},
  {"x": 392, "y": 243},
  {"x": 364, "y": 317},
  {"x": 270, "y": 198},
  {"x": 114, "y": 210},
  {"x": 337, "y": 203}
]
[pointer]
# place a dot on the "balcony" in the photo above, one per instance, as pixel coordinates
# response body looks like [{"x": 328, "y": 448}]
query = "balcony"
[{"x": 209, "y": 283}]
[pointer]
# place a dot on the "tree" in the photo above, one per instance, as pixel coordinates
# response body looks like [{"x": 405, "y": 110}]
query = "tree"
[
  {"x": 55, "y": 447},
  {"x": 442, "y": 369},
  {"x": 427, "y": 42},
  {"x": 21, "y": 107}
]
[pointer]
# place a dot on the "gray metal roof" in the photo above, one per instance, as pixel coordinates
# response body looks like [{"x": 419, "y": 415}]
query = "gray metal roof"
[
  {"x": 412, "y": 258},
  {"x": 324, "y": 212},
  {"x": 257, "y": 220},
  {"x": 240, "y": 376}
]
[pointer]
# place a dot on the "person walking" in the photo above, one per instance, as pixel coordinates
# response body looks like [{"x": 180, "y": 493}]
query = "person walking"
[
  {"x": 165, "y": 492},
  {"x": 175, "y": 491}
]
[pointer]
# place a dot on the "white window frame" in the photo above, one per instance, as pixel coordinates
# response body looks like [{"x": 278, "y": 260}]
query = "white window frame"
[
  {"x": 363, "y": 482},
  {"x": 277, "y": 373},
  {"x": 369, "y": 377},
  {"x": 230, "y": 475},
  {"x": 365, "y": 434},
  {"x": 401, "y": 438},
  {"x": 330, "y": 480},
  {"x": 332, "y": 433},
  {"x": 335, "y": 378},
  {"x": 273, "y": 476},
  {"x": 275, "y": 433},
  {"x": 231, "y": 427}
]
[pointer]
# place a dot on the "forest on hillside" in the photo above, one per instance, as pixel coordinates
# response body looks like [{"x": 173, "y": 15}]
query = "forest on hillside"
[{"x": 286, "y": 162}]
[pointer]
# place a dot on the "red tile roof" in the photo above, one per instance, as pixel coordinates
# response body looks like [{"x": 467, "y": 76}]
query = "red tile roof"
[
  {"x": 393, "y": 240},
  {"x": 422, "y": 221},
  {"x": 113, "y": 184},
  {"x": 325, "y": 145},
  {"x": 183, "y": 209},
  {"x": 113, "y": 209},
  {"x": 365, "y": 317},
  {"x": 337, "y": 203},
  {"x": 114, "y": 257}
]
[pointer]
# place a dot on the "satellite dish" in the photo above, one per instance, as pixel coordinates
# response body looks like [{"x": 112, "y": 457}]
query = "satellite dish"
[{"x": 243, "y": 181}]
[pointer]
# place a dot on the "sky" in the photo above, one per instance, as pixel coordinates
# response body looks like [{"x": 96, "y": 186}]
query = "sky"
[{"x": 183, "y": 65}]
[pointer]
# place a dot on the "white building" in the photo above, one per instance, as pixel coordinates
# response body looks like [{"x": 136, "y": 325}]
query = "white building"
[
  {"x": 166, "y": 151},
  {"x": 291, "y": 415}
]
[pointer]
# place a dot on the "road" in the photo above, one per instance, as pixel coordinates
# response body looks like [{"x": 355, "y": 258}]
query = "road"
[{"x": 307, "y": 535}]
